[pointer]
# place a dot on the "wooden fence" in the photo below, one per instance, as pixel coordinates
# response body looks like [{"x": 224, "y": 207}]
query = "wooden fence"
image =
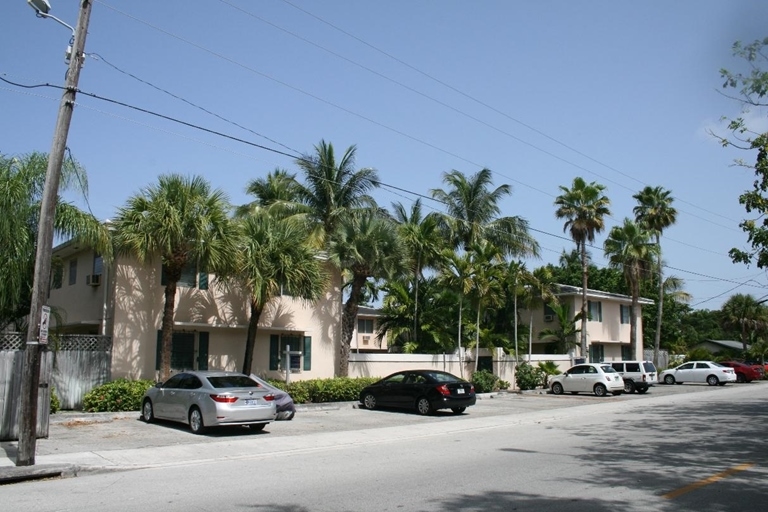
[{"x": 71, "y": 365}]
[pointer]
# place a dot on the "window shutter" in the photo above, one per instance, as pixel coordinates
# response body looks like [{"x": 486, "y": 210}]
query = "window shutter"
[
  {"x": 157, "y": 352},
  {"x": 202, "y": 279},
  {"x": 307, "y": 353},
  {"x": 202, "y": 351},
  {"x": 274, "y": 351},
  {"x": 163, "y": 278}
]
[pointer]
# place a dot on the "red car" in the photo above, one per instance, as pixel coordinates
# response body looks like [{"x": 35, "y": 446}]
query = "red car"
[{"x": 745, "y": 372}]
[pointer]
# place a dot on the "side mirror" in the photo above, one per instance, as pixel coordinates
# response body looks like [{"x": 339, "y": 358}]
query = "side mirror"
[{"x": 159, "y": 385}]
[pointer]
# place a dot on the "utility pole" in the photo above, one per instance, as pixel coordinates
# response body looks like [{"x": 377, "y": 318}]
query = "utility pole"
[{"x": 31, "y": 369}]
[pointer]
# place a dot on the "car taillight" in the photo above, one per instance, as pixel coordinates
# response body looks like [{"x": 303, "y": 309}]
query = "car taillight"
[
  {"x": 443, "y": 390},
  {"x": 224, "y": 399},
  {"x": 471, "y": 388},
  {"x": 269, "y": 397}
]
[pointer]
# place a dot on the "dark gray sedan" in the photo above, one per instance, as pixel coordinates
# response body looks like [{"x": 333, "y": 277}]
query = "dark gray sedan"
[
  {"x": 423, "y": 390},
  {"x": 210, "y": 399}
]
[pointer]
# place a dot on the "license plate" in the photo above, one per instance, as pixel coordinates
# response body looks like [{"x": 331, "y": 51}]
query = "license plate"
[
  {"x": 460, "y": 391},
  {"x": 250, "y": 401}
]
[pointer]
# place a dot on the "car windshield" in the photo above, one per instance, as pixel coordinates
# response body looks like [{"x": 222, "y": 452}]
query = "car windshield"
[
  {"x": 649, "y": 367},
  {"x": 608, "y": 368},
  {"x": 232, "y": 381}
]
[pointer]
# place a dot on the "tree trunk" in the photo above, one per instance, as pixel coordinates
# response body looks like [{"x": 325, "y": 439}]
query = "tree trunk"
[
  {"x": 416, "y": 300},
  {"x": 514, "y": 301},
  {"x": 584, "y": 318},
  {"x": 348, "y": 317},
  {"x": 167, "y": 329},
  {"x": 633, "y": 317},
  {"x": 477, "y": 339},
  {"x": 659, "y": 310},
  {"x": 461, "y": 358},
  {"x": 250, "y": 339}
]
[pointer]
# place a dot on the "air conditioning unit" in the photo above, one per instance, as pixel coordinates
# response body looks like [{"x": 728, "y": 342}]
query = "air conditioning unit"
[
  {"x": 93, "y": 280},
  {"x": 549, "y": 318},
  {"x": 366, "y": 340}
]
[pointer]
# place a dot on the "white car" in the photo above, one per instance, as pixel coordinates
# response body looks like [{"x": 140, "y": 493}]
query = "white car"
[
  {"x": 599, "y": 379},
  {"x": 699, "y": 371}
]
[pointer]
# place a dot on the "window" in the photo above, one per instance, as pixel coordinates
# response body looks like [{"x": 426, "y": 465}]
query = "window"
[
  {"x": 686, "y": 366},
  {"x": 578, "y": 370},
  {"x": 595, "y": 310},
  {"x": 57, "y": 275},
  {"x": 183, "y": 351},
  {"x": 98, "y": 264},
  {"x": 702, "y": 365},
  {"x": 365, "y": 325},
  {"x": 596, "y": 353},
  {"x": 73, "y": 271},
  {"x": 626, "y": 312},
  {"x": 277, "y": 346},
  {"x": 633, "y": 367},
  {"x": 190, "y": 277},
  {"x": 626, "y": 352}
]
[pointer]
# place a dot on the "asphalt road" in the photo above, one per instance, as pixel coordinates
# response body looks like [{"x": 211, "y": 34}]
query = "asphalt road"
[
  {"x": 78, "y": 434},
  {"x": 678, "y": 448}
]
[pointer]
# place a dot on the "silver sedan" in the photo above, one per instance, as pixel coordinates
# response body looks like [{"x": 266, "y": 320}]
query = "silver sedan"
[{"x": 210, "y": 399}]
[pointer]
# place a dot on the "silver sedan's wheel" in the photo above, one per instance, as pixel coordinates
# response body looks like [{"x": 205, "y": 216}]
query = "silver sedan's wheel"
[
  {"x": 557, "y": 388},
  {"x": 369, "y": 401},
  {"x": 257, "y": 427},
  {"x": 712, "y": 380},
  {"x": 600, "y": 390},
  {"x": 423, "y": 406},
  {"x": 147, "y": 413},
  {"x": 669, "y": 379},
  {"x": 196, "y": 421}
]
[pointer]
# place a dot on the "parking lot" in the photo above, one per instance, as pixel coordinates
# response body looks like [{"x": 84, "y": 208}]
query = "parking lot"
[{"x": 71, "y": 432}]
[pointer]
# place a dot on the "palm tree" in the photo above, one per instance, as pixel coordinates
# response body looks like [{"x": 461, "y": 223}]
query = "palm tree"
[
  {"x": 564, "y": 335},
  {"x": 277, "y": 192},
  {"x": 22, "y": 181},
  {"x": 364, "y": 245},
  {"x": 184, "y": 223},
  {"x": 486, "y": 259},
  {"x": 629, "y": 248},
  {"x": 584, "y": 206},
  {"x": 745, "y": 313},
  {"x": 656, "y": 213},
  {"x": 457, "y": 273},
  {"x": 275, "y": 258},
  {"x": 333, "y": 190},
  {"x": 423, "y": 242},
  {"x": 471, "y": 216},
  {"x": 517, "y": 280}
]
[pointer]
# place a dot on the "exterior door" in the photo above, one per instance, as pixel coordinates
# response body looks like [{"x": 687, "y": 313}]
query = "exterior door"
[
  {"x": 575, "y": 379},
  {"x": 685, "y": 373},
  {"x": 701, "y": 371},
  {"x": 163, "y": 405},
  {"x": 591, "y": 376}
]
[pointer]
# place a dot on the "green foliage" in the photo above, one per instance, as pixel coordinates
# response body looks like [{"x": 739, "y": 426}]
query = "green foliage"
[
  {"x": 698, "y": 354},
  {"x": 118, "y": 395},
  {"x": 486, "y": 382},
  {"x": 55, "y": 404},
  {"x": 529, "y": 377},
  {"x": 548, "y": 368},
  {"x": 316, "y": 391}
]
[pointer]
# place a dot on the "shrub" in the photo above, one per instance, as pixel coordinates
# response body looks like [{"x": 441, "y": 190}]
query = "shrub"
[
  {"x": 548, "y": 368},
  {"x": 316, "y": 391},
  {"x": 528, "y": 377},
  {"x": 486, "y": 382},
  {"x": 55, "y": 404},
  {"x": 118, "y": 395}
]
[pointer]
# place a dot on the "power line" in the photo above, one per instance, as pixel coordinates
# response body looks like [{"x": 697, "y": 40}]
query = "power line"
[
  {"x": 302, "y": 158},
  {"x": 370, "y": 120}
]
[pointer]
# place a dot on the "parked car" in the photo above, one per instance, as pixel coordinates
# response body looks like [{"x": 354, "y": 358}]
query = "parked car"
[
  {"x": 210, "y": 399},
  {"x": 597, "y": 378},
  {"x": 637, "y": 375},
  {"x": 745, "y": 372},
  {"x": 424, "y": 390},
  {"x": 699, "y": 371},
  {"x": 286, "y": 409}
]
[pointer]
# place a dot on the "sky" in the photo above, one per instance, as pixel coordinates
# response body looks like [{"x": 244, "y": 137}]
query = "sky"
[{"x": 621, "y": 93}]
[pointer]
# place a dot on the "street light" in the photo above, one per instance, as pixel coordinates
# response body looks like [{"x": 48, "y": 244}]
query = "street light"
[{"x": 30, "y": 380}]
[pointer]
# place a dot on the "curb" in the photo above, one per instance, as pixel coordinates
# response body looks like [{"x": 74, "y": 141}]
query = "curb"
[{"x": 16, "y": 474}]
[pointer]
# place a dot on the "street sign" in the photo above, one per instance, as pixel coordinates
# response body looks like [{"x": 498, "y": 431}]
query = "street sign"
[{"x": 44, "y": 320}]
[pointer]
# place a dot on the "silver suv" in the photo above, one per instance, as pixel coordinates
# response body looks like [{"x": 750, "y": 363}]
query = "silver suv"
[{"x": 638, "y": 375}]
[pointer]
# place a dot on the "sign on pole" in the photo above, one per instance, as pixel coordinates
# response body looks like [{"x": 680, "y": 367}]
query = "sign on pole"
[{"x": 44, "y": 320}]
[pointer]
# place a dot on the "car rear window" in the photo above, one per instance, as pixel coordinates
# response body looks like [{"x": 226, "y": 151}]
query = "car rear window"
[
  {"x": 649, "y": 367},
  {"x": 443, "y": 377},
  {"x": 608, "y": 369},
  {"x": 233, "y": 381}
]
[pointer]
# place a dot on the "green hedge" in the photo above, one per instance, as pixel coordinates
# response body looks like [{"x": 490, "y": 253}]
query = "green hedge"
[
  {"x": 118, "y": 395},
  {"x": 317, "y": 391}
]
